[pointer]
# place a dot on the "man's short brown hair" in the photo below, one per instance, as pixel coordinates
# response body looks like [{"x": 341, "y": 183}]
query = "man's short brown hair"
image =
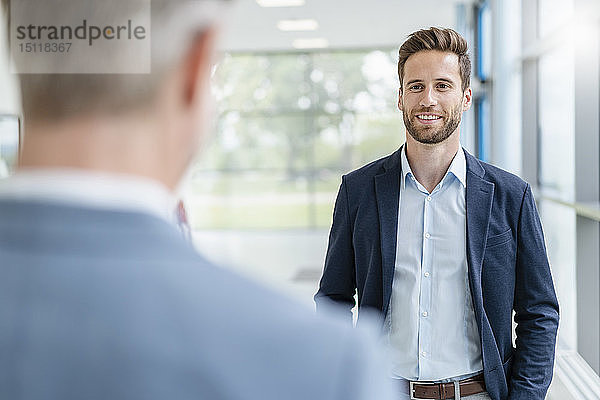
[{"x": 441, "y": 39}]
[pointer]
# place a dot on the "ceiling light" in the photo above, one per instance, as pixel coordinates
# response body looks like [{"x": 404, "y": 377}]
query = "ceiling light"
[
  {"x": 316, "y": 43},
  {"x": 280, "y": 3},
  {"x": 298, "y": 25}
]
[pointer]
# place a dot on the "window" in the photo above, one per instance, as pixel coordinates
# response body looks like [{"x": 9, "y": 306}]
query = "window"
[
  {"x": 556, "y": 121},
  {"x": 288, "y": 127}
]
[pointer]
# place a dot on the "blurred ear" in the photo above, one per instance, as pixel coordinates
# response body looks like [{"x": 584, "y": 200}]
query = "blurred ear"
[
  {"x": 467, "y": 99},
  {"x": 197, "y": 68},
  {"x": 400, "y": 99}
]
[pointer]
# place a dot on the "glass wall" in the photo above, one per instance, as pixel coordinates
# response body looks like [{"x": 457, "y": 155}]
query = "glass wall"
[
  {"x": 482, "y": 73},
  {"x": 289, "y": 125},
  {"x": 556, "y": 157},
  {"x": 561, "y": 129}
]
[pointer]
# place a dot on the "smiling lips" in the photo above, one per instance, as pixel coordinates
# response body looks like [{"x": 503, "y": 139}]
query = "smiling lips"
[{"x": 428, "y": 118}]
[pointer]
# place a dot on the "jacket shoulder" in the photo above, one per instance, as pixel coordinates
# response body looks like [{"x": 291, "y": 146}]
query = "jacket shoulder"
[{"x": 504, "y": 180}]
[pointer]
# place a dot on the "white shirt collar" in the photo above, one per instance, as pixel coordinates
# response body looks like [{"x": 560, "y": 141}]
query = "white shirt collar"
[
  {"x": 458, "y": 167},
  {"x": 405, "y": 167},
  {"x": 92, "y": 189}
]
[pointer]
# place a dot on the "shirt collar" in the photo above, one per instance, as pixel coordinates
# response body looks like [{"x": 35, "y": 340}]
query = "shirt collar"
[
  {"x": 458, "y": 167},
  {"x": 405, "y": 168},
  {"x": 91, "y": 189}
]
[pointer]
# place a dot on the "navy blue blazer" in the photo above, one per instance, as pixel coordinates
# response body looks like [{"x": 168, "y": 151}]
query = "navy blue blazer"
[{"x": 507, "y": 266}]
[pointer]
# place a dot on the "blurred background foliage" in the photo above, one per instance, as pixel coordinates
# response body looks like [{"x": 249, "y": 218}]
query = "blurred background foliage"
[{"x": 288, "y": 126}]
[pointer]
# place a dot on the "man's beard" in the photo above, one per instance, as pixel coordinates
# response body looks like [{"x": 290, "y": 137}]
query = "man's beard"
[{"x": 429, "y": 134}]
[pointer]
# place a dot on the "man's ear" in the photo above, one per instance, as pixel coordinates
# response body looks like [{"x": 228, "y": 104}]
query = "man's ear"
[
  {"x": 467, "y": 99},
  {"x": 400, "y": 99},
  {"x": 197, "y": 67}
]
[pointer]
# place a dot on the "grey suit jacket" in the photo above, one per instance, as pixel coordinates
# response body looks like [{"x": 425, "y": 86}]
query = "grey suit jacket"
[{"x": 115, "y": 305}]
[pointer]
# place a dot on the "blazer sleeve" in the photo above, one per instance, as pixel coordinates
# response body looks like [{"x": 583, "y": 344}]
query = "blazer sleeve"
[
  {"x": 536, "y": 309},
  {"x": 338, "y": 282}
]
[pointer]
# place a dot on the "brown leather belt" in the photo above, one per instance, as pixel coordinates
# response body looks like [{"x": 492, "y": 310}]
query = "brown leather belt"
[{"x": 442, "y": 391}]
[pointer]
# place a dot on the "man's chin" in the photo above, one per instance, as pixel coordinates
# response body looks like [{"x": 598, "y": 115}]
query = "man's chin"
[{"x": 431, "y": 138}]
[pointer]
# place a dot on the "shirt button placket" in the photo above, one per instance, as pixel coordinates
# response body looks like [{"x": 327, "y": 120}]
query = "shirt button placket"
[{"x": 426, "y": 287}]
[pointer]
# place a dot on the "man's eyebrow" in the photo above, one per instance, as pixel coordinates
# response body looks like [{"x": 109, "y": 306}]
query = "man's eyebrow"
[
  {"x": 447, "y": 80},
  {"x": 436, "y": 79},
  {"x": 413, "y": 81}
]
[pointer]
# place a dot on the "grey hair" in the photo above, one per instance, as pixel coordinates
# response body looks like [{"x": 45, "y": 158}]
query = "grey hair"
[{"x": 174, "y": 24}]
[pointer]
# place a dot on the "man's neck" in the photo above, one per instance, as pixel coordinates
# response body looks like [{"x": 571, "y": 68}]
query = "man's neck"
[
  {"x": 121, "y": 146},
  {"x": 429, "y": 163}
]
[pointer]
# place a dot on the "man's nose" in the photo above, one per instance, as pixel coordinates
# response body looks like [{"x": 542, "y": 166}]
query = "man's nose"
[{"x": 428, "y": 98}]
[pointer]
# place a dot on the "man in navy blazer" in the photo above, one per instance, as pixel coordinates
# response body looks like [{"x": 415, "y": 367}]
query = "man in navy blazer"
[
  {"x": 101, "y": 296},
  {"x": 445, "y": 247}
]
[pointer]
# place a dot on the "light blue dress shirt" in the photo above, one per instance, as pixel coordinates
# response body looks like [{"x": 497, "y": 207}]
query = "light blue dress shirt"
[{"x": 432, "y": 331}]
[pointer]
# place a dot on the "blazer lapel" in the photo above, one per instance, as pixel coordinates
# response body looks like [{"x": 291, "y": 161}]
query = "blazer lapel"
[
  {"x": 479, "y": 197},
  {"x": 387, "y": 191}
]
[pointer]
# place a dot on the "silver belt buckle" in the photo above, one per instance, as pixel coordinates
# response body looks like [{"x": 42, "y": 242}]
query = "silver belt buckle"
[{"x": 411, "y": 388}]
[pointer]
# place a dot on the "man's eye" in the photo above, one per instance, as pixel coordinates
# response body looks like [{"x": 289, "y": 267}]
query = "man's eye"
[
  {"x": 443, "y": 86},
  {"x": 415, "y": 87}
]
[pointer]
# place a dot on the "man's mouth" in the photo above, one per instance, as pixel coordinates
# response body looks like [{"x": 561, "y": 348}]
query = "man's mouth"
[{"x": 428, "y": 118}]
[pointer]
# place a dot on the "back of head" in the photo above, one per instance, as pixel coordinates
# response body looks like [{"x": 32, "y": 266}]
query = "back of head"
[
  {"x": 439, "y": 39},
  {"x": 100, "y": 73}
]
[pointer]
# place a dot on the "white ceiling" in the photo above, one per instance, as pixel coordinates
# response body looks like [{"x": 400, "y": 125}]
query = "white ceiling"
[{"x": 346, "y": 24}]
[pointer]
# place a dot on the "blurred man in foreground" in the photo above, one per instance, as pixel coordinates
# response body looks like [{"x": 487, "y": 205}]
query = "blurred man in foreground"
[{"x": 100, "y": 296}]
